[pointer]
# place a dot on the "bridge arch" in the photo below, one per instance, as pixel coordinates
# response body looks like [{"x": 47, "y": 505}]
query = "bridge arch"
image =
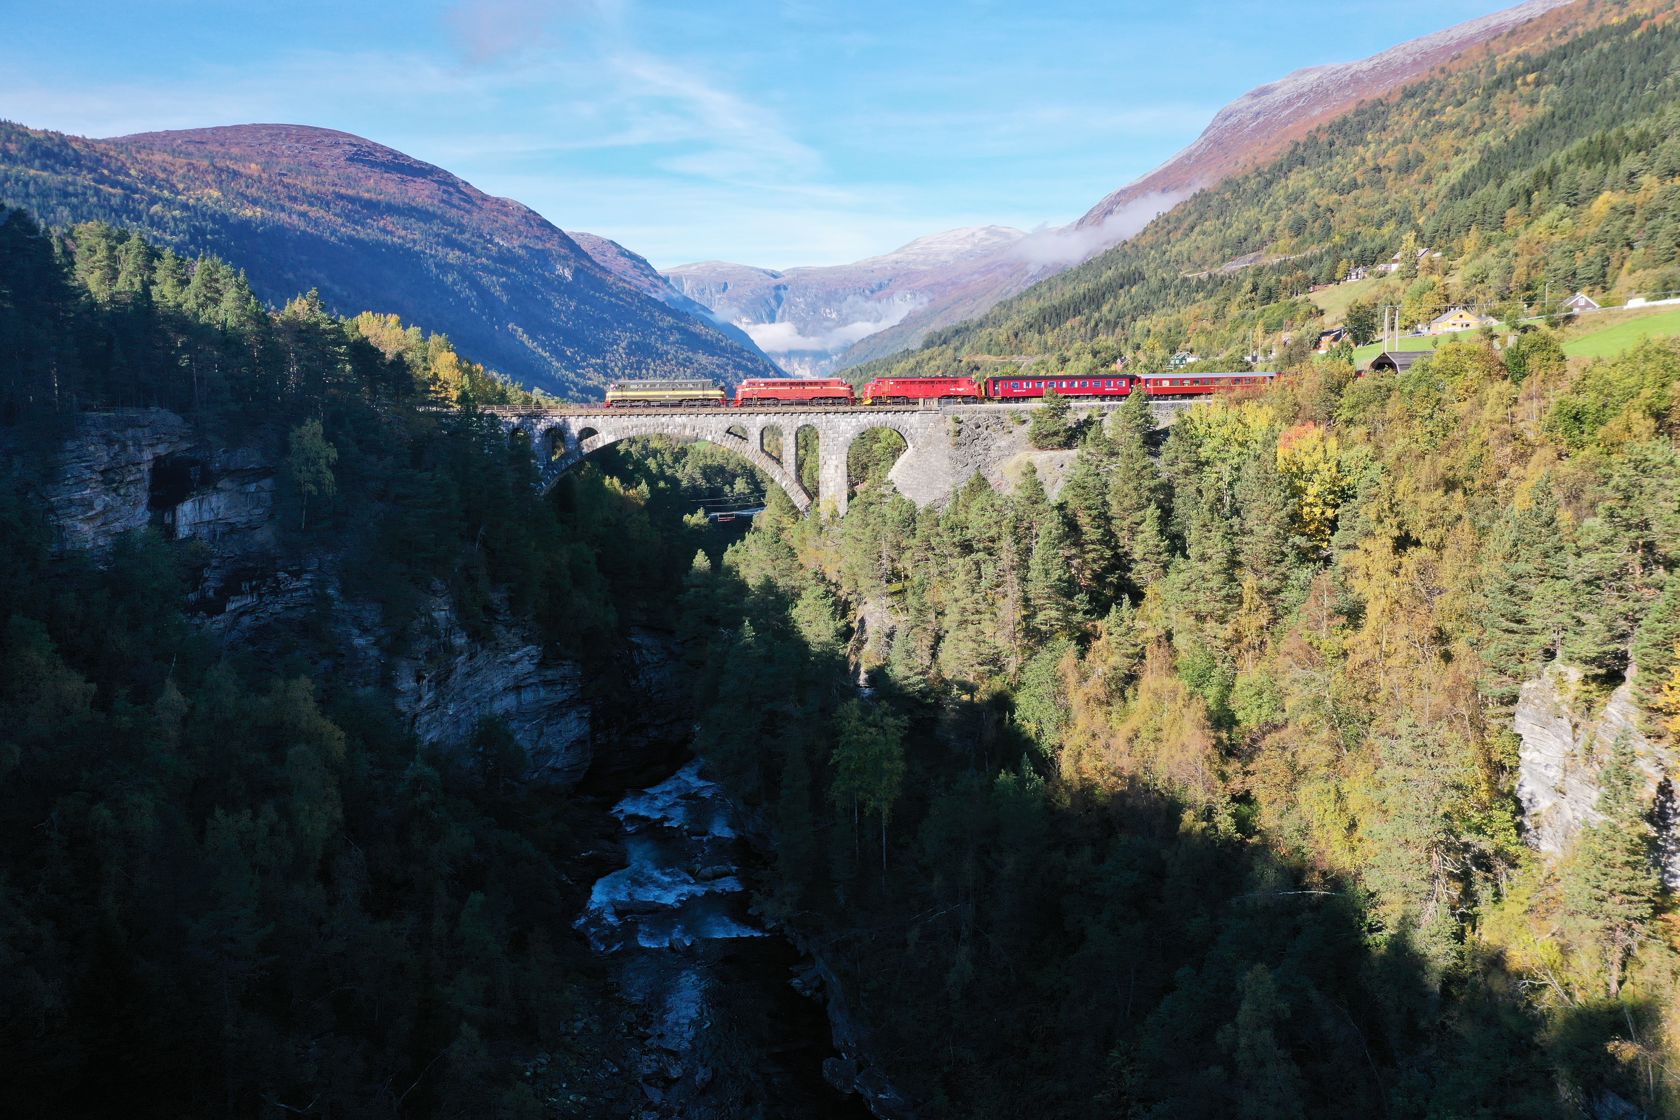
[
  {"x": 873, "y": 452},
  {"x": 577, "y": 438}
]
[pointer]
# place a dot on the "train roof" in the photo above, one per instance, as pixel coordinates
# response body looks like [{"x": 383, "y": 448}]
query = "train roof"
[
  {"x": 1234, "y": 373},
  {"x": 773, "y": 382},
  {"x": 663, "y": 383}
]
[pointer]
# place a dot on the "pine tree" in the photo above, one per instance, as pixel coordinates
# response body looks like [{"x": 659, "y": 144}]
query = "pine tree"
[
  {"x": 1094, "y": 551},
  {"x": 1655, "y": 645},
  {"x": 310, "y": 466},
  {"x": 1052, "y": 609},
  {"x": 816, "y": 617},
  {"x": 1213, "y": 583},
  {"x": 1137, "y": 494},
  {"x": 1526, "y": 595},
  {"x": 1149, "y": 551},
  {"x": 1269, "y": 1083},
  {"x": 1361, "y": 322},
  {"x": 1051, "y": 426},
  {"x": 1265, "y": 546},
  {"x": 868, "y": 762},
  {"x": 169, "y": 279},
  {"x": 1598, "y": 629},
  {"x": 796, "y": 836},
  {"x": 1609, "y": 887}
]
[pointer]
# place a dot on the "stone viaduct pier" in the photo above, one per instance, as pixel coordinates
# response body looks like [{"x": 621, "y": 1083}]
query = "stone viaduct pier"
[{"x": 944, "y": 446}]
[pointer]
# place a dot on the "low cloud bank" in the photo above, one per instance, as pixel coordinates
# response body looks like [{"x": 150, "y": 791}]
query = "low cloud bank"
[
  {"x": 787, "y": 338},
  {"x": 1065, "y": 246}
]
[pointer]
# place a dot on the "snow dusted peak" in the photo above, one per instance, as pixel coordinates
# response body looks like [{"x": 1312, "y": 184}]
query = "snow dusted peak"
[
  {"x": 1316, "y": 87},
  {"x": 1261, "y": 122},
  {"x": 943, "y": 248}
]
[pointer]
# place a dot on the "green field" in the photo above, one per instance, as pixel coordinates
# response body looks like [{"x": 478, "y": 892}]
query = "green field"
[
  {"x": 1364, "y": 354},
  {"x": 1334, "y": 300},
  {"x": 1614, "y": 339}
]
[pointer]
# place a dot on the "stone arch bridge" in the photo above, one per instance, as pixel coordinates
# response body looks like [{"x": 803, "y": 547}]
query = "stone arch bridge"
[{"x": 937, "y": 459}]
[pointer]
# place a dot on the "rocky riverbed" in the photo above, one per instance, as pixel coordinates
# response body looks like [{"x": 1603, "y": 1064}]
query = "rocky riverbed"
[{"x": 722, "y": 1030}]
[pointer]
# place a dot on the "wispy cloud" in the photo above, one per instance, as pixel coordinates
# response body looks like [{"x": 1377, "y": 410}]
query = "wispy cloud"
[
  {"x": 489, "y": 31},
  {"x": 776, "y": 134}
]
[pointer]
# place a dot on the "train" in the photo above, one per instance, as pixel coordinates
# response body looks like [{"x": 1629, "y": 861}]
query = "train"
[{"x": 827, "y": 392}]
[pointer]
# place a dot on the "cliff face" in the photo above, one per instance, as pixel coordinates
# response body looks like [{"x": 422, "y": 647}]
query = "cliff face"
[
  {"x": 1565, "y": 744},
  {"x": 451, "y": 682},
  {"x": 124, "y": 471},
  {"x": 102, "y": 487}
]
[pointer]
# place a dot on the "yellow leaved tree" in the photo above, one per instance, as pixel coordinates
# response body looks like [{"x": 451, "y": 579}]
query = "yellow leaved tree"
[
  {"x": 1310, "y": 460},
  {"x": 1668, "y": 702}
]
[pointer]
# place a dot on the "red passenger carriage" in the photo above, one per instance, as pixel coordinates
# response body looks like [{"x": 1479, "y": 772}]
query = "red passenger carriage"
[
  {"x": 1203, "y": 384},
  {"x": 1019, "y": 387}
]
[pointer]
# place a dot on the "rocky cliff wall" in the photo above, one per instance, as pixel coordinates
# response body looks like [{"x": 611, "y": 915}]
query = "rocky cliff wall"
[
  {"x": 101, "y": 485},
  {"x": 123, "y": 471},
  {"x": 126, "y": 470},
  {"x": 1566, "y": 741},
  {"x": 450, "y": 682}
]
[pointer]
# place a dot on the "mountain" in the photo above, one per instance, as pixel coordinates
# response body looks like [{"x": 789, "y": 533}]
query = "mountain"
[
  {"x": 1262, "y": 122},
  {"x": 1244, "y": 134},
  {"x": 807, "y": 317},
  {"x": 635, "y": 270},
  {"x": 1577, "y": 189},
  {"x": 374, "y": 229}
]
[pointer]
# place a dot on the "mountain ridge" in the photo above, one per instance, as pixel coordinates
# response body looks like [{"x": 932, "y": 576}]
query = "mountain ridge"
[
  {"x": 1581, "y": 194},
  {"x": 373, "y": 228}
]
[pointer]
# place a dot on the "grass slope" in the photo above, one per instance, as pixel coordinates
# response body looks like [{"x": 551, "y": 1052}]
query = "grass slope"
[{"x": 1610, "y": 340}]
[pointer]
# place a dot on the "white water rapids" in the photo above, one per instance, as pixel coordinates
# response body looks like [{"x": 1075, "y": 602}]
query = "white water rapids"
[{"x": 681, "y": 884}]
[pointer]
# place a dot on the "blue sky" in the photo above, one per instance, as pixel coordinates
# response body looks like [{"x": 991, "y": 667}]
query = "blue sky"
[{"x": 771, "y": 132}]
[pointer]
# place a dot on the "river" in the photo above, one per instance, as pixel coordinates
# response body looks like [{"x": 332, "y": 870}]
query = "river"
[{"x": 723, "y": 1032}]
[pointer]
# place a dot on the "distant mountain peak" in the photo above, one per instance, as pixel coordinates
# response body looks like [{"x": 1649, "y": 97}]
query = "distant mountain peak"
[
  {"x": 1266, "y": 118},
  {"x": 1251, "y": 129},
  {"x": 949, "y": 245}
]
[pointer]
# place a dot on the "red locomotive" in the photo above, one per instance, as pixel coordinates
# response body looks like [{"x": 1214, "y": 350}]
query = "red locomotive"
[
  {"x": 774, "y": 391},
  {"x": 903, "y": 390}
]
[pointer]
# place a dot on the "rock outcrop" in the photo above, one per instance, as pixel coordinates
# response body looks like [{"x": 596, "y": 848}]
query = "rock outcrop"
[
  {"x": 451, "y": 682},
  {"x": 1566, "y": 741},
  {"x": 102, "y": 487},
  {"x": 124, "y": 470}
]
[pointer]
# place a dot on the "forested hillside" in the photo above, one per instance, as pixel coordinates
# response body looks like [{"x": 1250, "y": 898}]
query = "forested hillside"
[
  {"x": 231, "y": 882},
  {"x": 1532, "y": 176},
  {"x": 1194, "y": 792},
  {"x": 373, "y": 229}
]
